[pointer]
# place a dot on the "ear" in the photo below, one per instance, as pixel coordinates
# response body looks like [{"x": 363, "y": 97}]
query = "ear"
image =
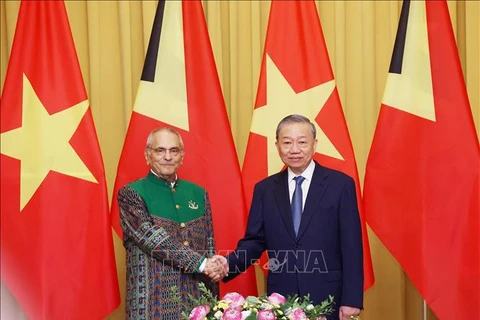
[{"x": 147, "y": 159}]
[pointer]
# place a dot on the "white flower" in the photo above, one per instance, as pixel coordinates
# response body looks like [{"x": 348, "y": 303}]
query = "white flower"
[
  {"x": 218, "y": 314},
  {"x": 266, "y": 305},
  {"x": 310, "y": 307},
  {"x": 245, "y": 314}
]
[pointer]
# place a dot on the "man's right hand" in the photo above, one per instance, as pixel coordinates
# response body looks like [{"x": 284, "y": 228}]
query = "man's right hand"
[{"x": 216, "y": 268}]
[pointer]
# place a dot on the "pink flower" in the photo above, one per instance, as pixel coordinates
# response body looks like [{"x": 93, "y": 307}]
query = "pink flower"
[
  {"x": 297, "y": 314},
  {"x": 234, "y": 299},
  {"x": 232, "y": 313},
  {"x": 276, "y": 298},
  {"x": 266, "y": 315},
  {"x": 199, "y": 313}
]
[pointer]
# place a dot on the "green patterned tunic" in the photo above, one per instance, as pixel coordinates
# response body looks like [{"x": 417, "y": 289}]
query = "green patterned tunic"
[{"x": 165, "y": 236}]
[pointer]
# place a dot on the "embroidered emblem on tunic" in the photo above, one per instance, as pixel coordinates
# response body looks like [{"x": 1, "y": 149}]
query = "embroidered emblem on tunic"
[{"x": 192, "y": 205}]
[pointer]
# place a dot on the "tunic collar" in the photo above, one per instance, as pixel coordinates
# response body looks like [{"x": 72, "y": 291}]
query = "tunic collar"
[{"x": 152, "y": 176}]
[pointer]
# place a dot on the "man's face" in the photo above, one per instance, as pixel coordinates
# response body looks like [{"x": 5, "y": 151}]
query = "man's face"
[
  {"x": 296, "y": 145},
  {"x": 165, "y": 154}
]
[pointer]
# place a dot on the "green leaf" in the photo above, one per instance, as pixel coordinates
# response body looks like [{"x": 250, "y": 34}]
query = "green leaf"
[{"x": 252, "y": 316}]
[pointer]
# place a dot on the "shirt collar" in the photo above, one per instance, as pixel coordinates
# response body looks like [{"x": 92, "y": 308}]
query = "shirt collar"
[
  {"x": 307, "y": 173},
  {"x": 171, "y": 183}
]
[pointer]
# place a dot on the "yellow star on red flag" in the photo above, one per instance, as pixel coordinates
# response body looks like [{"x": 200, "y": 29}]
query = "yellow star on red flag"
[
  {"x": 282, "y": 100},
  {"x": 42, "y": 143}
]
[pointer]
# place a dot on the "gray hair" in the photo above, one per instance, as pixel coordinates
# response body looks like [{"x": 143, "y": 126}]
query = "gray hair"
[
  {"x": 152, "y": 133},
  {"x": 295, "y": 118}
]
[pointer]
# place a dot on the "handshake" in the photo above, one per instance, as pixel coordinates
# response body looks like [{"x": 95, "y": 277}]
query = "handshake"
[{"x": 216, "y": 268}]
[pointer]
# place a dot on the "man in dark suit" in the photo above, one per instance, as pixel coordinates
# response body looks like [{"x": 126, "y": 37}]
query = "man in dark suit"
[{"x": 313, "y": 234}]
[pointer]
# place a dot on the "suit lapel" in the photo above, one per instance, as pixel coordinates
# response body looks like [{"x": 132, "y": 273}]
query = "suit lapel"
[
  {"x": 315, "y": 193},
  {"x": 282, "y": 198}
]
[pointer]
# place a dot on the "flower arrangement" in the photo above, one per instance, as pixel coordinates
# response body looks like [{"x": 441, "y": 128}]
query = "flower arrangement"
[{"x": 234, "y": 306}]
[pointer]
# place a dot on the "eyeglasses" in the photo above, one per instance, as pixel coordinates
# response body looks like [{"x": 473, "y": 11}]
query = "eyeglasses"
[{"x": 162, "y": 151}]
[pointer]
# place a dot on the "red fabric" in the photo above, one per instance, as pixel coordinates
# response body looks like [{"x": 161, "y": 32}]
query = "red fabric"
[
  {"x": 296, "y": 45},
  {"x": 57, "y": 255},
  {"x": 422, "y": 183},
  {"x": 210, "y": 157}
]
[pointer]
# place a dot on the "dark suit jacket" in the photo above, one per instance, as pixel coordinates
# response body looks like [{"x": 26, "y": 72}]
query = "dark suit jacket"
[{"x": 326, "y": 257}]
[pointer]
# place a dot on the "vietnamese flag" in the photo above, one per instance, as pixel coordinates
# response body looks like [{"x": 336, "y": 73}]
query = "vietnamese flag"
[
  {"x": 422, "y": 178},
  {"x": 179, "y": 88},
  {"x": 57, "y": 255},
  {"x": 296, "y": 77}
]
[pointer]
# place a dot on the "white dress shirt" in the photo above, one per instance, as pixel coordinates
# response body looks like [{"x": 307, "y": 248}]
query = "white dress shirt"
[{"x": 307, "y": 174}]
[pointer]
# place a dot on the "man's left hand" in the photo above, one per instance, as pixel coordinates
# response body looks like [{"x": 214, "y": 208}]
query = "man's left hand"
[{"x": 347, "y": 313}]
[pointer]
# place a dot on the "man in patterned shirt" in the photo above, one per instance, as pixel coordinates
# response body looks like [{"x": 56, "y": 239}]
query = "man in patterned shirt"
[{"x": 167, "y": 226}]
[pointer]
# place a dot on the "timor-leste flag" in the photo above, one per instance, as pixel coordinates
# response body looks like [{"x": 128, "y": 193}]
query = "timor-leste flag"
[
  {"x": 57, "y": 255},
  {"x": 179, "y": 88},
  {"x": 296, "y": 77},
  {"x": 422, "y": 178}
]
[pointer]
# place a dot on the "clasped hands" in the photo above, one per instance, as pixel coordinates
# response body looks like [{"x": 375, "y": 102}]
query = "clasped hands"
[{"x": 216, "y": 268}]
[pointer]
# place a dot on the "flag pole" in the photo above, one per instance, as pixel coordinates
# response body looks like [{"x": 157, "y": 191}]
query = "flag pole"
[{"x": 424, "y": 309}]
